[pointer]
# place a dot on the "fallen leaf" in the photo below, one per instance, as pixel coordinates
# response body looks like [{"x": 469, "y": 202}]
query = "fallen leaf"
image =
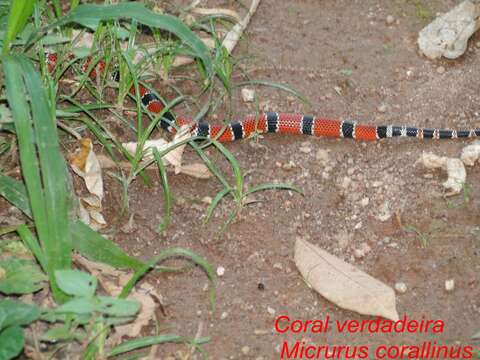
[
  {"x": 342, "y": 283},
  {"x": 218, "y": 11},
  {"x": 85, "y": 164},
  {"x": 197, "y": 170},
  {"x": 146, "y": 295}
]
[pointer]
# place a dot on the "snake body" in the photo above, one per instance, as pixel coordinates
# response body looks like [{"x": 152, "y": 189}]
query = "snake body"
[{"x": 283, "y": 123}]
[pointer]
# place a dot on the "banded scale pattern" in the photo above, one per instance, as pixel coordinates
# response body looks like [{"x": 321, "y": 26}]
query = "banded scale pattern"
[{"x": 283, "y": 123}]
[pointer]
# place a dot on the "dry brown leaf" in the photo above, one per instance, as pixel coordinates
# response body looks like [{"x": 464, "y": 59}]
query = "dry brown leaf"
[
  {"x": 146, "y": 295},
  {"x": 232, "y": 37},
  {"x": 342, "y": 283},
  {"x": 85, "y": 164},
  {"x": 217, "y": 11},
  {"x": 173, "y": 157},
  {"x": 197, "y": 170}
]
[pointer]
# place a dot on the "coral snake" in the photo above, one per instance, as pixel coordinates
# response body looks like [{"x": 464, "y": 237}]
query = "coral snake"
[{"x": 284, "y": 123}]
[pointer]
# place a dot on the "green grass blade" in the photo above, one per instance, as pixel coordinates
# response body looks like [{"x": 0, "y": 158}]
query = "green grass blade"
[
  {"x": 85, "y": 240},
  {"x": 14, "y": 192},
  {"x": 16, "y": 95},
  {"x": 57, "y": 245},
  {"x": 237, "y": 171},
  {"x": 173, "y": 252},
  {"x": 90, "y": 15},
  {"x": 220, "y": 195},
  {"x": 94, "y": 246},
  {"x": 20, "y": 11},
  {"x": 43, "y": 166},
  {"x": 167, "y": 194},
  {"x": 32, "y": 243},
  {"x": 153, "y": 340},
  {"x": 273, "y": 186}
]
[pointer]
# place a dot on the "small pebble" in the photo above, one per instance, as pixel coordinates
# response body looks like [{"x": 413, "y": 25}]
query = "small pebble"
[
  {"x": 390, "y": 20},
  {"x": 245, "y": 350},
  {"x": 322, "y": 155},
  {"x": 364, "y": 202},
  {"x": 224, "y": 315},
  {"x": 270, "y": 310},
  {"x": 346, "y": 182},
  {"x": 478, "y": 44},
  {"x": 382, "y": 108},
  {"x": 305, "y": 150},
  {"x": 220, "y": 271},
  {"x": 362, "y": 251},
  {"x": 278, "y": 266},
  {"x": 248, "y": 95},
  {"x": 440, "y": 70},
  {"x": 401, "y": 287},
  {"x": 449, "y": 285},
  {"x": 207, "y": 200}
]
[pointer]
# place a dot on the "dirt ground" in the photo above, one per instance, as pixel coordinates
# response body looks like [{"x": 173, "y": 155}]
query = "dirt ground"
[
  {"x": 351, "y": 64},
  {"x": 345, "y": 58}
]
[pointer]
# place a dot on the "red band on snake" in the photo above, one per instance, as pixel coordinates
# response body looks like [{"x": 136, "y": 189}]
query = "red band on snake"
[{"x": 283, "y": 123}]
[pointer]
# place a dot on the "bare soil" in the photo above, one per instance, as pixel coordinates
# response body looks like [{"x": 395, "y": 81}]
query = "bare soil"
[
  {"x": 349, "y": 62},
  {"x": 345, "y": 58}
]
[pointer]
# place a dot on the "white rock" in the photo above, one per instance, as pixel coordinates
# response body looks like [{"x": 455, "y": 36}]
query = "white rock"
[
  {"x": 440, "y": 70},
  {"x": 224, "y": 315},
  {"x": 305, "y": 149},
  {"x": 207, "y": 200},
  {"x": 220, "y": 271},
  {"x": 271, "y": 310},
  {"x": 364, "y": 202},
  {"x": 401, "y": 287},
  {"x": 248, "y": 95},
  {"x": 322, "y": 156},
  {"x": 455, "y": 169},
  {"x": 384, "y": 212},
  {"x": 471, "y": 153},
  {"x": 448, "y": 34},
  {"x": 449, "y": 285},
  {"x": 363, "y": 250},
  {"x": 346, "y": 182},
  {"x": 382, "y": 108},
  {"x": 390, "y": 20}
]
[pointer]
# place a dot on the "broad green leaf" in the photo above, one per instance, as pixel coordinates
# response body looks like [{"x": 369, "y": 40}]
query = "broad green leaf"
[
  {"x": 61, "y": 333},
  {"x": 81, "y": 306},
  {"x": 95, "y": 247},
  {"x": 20, "y": 11},
  {"x": 76, "y": 283},
  {"x": 118, "y": 307},
  {"x": 20, "y": 276},
  {"x": 85, "y": 240},
  {"x": 43, "y": 167},
  {"x": 13, "y": 313},
  {"x": 12, "y": 341}
]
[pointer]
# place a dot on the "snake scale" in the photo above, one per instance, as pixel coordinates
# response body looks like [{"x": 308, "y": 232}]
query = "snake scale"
[{"x": 283, "y": 123}]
